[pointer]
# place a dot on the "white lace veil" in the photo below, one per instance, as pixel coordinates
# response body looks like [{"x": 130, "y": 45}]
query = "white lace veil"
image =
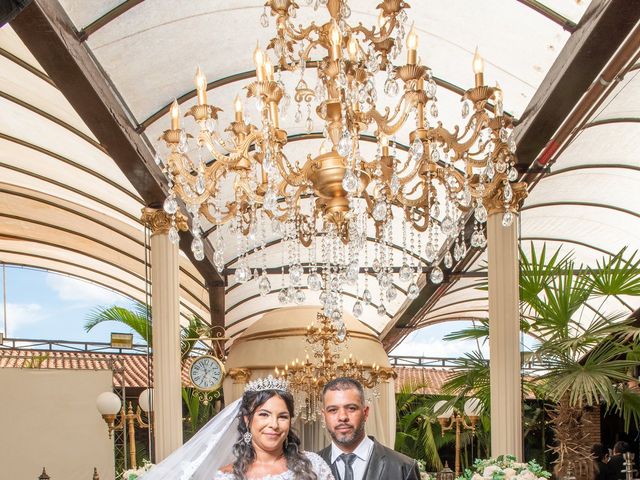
[{"x": 205, "y": 453}]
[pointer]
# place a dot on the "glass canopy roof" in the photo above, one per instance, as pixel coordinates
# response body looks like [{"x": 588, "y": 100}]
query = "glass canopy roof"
[{"x": 67, "y": 207}]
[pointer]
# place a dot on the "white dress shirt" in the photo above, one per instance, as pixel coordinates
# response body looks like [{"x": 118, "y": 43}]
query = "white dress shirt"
[{"x": 363, "y": 453}]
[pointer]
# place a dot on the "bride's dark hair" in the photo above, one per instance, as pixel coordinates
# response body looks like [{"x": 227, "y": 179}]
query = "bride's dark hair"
[{"x": 244, "y": 453}]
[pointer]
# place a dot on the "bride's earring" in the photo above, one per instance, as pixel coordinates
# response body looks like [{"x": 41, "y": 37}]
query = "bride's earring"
[{"x": 246, "y": 437}]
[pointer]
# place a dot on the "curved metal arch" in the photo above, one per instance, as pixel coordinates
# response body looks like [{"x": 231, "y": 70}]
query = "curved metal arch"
[
  {"x": 565, "y": 240},
  {"x": 83, "y": 35},
  {"x": 278, "y": 241},
  {"x": 34, "y": 71},
  {"x": 72, "y": 212},
  {"x": 104, "y": 243},
  {"x": 236, "y": 77},
  {"x": 71, "y": 189},
  {"x": 267, "y": 310},
  {"x": 83, "y": 253},
  {"x": 459, "y": 302},
  {"x": 53, "y": 119},
  {"x": 602, "y": 166},
  {"x": 71, "y": 163},
  {"x": 72, "y": 264},
  {"x": 468, "y": 310},
  {"x": 307, "y": 265},
  {"x": 580, "y": 204},
  {"x": 456, "y": 290},
  {"x": 421, "y": 325},
  {"x": 609, "y": 121},
  {"x": 275, "y": 291}
]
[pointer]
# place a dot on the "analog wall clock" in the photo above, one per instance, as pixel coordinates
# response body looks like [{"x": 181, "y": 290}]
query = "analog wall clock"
[{"x": 207, "y": 373}]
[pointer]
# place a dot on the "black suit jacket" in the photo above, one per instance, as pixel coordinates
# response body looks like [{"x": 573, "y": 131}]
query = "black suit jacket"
[
  {"x": 384, "y": 464},
  {"x": 615, "y": 468}
]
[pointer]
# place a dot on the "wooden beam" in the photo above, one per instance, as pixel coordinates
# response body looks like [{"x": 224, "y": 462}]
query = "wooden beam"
[
  {"x": 603, "y": 28},
  {"x": 50, "y": 36}
]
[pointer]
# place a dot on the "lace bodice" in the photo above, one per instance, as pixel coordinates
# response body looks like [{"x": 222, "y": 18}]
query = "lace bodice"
[{"x": 319, "y": 466}]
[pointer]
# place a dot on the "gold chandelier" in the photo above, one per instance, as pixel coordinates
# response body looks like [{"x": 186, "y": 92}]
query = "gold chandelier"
[
  {"x": 307, "y": 378},
  {"x": 334, "y": 203}
]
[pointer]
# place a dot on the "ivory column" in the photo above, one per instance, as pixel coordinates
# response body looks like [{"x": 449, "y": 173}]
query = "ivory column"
[
  {"x": 165, "y": 308},
  {"x": 504, "y": 328}
]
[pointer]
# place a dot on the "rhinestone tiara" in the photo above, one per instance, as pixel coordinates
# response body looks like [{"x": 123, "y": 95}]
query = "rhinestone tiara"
[{"x": 267, "y": 383}]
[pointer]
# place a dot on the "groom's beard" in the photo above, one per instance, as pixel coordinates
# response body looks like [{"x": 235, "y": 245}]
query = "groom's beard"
[{"x": 348, "y": 437}]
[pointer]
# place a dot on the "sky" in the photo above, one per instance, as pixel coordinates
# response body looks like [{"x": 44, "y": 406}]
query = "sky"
[{"x": 48, "y": 306}]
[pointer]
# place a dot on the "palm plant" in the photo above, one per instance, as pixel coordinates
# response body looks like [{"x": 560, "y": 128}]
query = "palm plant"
[
  {"x": 586, "y": 357},
  {"x": 415, "y": 434},
  {"x": 138, "y": 319}
]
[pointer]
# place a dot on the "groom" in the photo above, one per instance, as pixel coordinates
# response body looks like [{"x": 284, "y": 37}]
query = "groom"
[{"x": 352, "y": 455}]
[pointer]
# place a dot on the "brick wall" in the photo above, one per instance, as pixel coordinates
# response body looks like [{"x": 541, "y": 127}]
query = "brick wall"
[{"x": 591, "y": 424}]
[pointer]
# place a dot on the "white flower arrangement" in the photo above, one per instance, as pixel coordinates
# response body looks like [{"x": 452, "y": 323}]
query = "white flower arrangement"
[
  {"x": 504, "y": 467},
  {"x": 133, "y": 474}
]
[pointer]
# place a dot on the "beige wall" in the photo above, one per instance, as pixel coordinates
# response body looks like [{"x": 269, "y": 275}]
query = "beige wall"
[{"x": 48, "y": 418}]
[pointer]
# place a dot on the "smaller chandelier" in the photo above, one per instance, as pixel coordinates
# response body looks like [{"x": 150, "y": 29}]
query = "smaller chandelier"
[{"x": 307, "y": 378}]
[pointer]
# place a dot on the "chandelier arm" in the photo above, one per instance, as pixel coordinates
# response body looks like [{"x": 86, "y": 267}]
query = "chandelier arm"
[
  {"x": 370, "y": 34},
  {"x": 226, "y": 218},
  {"x": 383, "y": 121},
  {"x": 453, "y": 140},
  {"x": 302, "y": 33},
  {"x": 293, "y": 177}
]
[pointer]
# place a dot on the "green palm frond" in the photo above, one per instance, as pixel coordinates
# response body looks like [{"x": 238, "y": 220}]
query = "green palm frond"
[
  {"x": 538, "y": 271},
  {"x": 137, "y": 319},
  {"x": 617, "y": 275},
  {"x": 476, "y": 332},
  {"x": 588, "y": 380},
  {"x": 190, "y": 334},
  {"x": 627, "y": 405}
]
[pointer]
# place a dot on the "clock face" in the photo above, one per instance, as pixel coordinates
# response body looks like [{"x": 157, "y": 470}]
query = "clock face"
[{"x": 206, "y": 373}]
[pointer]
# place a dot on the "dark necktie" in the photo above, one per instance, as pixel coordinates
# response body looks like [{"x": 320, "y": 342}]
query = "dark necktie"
[{"x": 348, "y": 459}]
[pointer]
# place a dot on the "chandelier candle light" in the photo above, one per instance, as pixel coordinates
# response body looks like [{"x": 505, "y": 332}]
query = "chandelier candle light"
[
  {"x": 336, "y": 202},
  {"x": 307, "y": 378}
]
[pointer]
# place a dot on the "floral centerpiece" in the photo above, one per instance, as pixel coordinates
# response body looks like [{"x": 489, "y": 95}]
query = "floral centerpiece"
[
  {"x": 505, "y": 467},
  {"x": 133, "y": 474}
]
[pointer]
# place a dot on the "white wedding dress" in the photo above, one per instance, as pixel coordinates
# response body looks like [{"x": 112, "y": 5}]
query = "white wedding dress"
[
  {"x": 320, "y": 468},
  {"x": 209, "y": 450}
]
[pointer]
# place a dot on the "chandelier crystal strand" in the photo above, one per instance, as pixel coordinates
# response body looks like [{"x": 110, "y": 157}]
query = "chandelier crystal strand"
[{"x": 445, "y": 173}]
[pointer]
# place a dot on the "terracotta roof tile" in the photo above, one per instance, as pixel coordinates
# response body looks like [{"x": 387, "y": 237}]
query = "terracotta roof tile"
[{"x": 132, "y": 368}]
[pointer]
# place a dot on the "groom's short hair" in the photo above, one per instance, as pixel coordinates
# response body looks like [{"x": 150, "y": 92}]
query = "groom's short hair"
[{"x": 343, "y": 383}]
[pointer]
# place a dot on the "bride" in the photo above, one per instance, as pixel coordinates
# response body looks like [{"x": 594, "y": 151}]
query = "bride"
[{"x": 251, "y": 439}]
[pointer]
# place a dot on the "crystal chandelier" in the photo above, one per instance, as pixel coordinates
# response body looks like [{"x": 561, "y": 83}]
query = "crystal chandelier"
[
  {"x": 307, "y": 378},
  {"x": 334, "y": 204}
]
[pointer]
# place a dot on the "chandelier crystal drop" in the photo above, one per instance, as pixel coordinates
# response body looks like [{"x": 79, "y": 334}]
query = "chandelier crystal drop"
[{"x": 386, "y": 165}]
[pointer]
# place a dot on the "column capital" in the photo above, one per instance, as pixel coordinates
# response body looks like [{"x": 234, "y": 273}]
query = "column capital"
[
  {"x": 495, "y": 202},
  {"x": 160, "y": 222}
]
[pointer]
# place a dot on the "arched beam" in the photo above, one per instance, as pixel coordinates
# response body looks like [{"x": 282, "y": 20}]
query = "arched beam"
[
  {"x": 581, "y": 204},
  {"x": 53, "y": 119},
  {"x": 221, "y": 82},
  {"x": 90, "y": 280},
  {"x": 566, "y": 240}
]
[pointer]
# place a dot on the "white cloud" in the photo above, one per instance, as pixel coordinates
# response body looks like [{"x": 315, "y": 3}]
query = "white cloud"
[
  {"x": 72, "y": 289},
  {"x": 20, "y": 315}
]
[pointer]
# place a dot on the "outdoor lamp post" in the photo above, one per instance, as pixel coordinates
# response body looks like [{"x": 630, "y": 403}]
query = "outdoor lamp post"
[
  {"x": 450, "y": 418},
  {"x": 109, "y": 405}
]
